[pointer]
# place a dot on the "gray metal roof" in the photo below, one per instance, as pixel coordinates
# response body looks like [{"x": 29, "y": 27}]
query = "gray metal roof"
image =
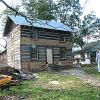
[
  {"x": 90, "y": 47},
  {"x": 52, "y": 24}
]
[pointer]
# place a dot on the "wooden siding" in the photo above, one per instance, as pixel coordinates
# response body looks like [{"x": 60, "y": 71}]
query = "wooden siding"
[
  {"x": 28, "y": 40},
  {"x": 25, "y": 52},
  {"x": 46, "y": 39},
  {"x": 42, "y": 53},
  {"x": 64, "y": 62},
  {"x": 42, "y": 56},
  {"x": 3, "y": 59},
  {"x": 32, "y": 65},
  {"x": 56, "y": 54},
  {"x": 13, "y": 47},
  {"x": 45, "y": 34}
]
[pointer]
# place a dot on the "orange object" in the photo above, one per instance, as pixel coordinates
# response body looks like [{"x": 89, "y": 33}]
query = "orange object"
[{"x": 4, "y": 79}]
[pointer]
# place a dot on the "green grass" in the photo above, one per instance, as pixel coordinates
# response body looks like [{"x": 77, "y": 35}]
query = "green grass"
[
  {"x": 69, "y": 88},
  {"x": 91, "y": 71}
]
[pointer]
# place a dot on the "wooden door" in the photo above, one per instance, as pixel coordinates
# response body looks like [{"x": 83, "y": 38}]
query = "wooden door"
[{"x": 49, "y": 56}]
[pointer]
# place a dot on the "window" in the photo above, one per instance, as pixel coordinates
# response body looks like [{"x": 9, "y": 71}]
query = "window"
[
  {"x": 83, "y": 57},
  {"x": 69, "y": 53},
  {"x": 62, "y": 37},
  {"x": 63, "y": 53},
  {"x": 34, "y": 34},
  {"x": 34, "y": 53}
]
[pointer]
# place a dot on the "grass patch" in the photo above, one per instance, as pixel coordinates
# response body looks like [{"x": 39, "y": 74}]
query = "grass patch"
[
  {"x": 68, "y": 88},
  {"x": 91, "y": 71}
]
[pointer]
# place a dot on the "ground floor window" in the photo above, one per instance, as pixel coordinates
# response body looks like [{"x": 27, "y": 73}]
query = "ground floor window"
[
  {"x": 63, "y": 53},
  {"x": 34, "y": 53},
  {"x": 83, "y": 57}
]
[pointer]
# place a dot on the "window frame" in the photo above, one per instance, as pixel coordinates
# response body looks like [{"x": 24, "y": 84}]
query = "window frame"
[
  {"x": 62, "y": 35},
  {"x": 34, "y": 34},
  {"x": 65, "y": 57},
  {"x": 33, "y": 53}
]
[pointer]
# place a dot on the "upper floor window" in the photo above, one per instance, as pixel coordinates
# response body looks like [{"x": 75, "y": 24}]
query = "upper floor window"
[
  {"x": 62, "y": 37},
  {"x": 34, "y": 34}
]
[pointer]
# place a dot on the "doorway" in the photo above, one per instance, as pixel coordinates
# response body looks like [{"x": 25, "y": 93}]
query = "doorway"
[{"x": 49, "y": 56}]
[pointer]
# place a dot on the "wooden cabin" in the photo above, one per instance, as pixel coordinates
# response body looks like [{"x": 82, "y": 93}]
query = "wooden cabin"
[{"x": 43, "y": 42}]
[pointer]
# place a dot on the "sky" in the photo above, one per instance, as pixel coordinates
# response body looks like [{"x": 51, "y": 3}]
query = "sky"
[{"x": 91, "y": 5}]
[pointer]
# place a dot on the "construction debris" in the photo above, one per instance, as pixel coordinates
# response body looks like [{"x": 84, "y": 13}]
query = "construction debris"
[{"x": 17, "y": 74}]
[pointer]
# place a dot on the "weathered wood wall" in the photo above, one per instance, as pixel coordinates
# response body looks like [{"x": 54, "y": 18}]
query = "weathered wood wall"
[
  {"x": 13, "y": 47},
  {"x": 3, "y": 59},
  {"x": 45, "y": 40}
]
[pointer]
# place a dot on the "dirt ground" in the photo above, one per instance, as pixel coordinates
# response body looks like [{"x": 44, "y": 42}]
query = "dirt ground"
[{"x": 93, "y": 81}]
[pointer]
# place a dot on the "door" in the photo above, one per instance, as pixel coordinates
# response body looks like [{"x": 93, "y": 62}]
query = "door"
[{"x": 49, "y": 56}]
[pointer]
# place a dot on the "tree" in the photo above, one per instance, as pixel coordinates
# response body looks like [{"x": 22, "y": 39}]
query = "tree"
[
  {"x": 41, "y": 9},
  {"x": 69, "y": 12}
]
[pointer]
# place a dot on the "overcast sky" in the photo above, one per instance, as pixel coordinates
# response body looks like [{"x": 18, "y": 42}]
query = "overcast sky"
[{"x": 91, "y": 5}]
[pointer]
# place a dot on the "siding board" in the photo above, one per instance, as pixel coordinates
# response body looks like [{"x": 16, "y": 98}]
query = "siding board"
[
  {"x": 42, "y": 53},
  {"x": 56, "y": 54}
]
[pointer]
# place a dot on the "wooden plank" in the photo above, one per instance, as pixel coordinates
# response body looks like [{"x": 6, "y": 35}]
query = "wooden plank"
[
  {"x": 56, "y": 53},
  {"x": 42, "y": 53}
]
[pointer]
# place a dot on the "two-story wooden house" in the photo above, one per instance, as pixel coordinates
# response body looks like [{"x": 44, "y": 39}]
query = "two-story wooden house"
[{"x": 31, "y": 46}]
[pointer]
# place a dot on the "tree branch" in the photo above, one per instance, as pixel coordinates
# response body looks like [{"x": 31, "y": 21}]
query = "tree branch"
[
  {"x": 26, "y": 17},
  {"x": 20, "y": 13}
]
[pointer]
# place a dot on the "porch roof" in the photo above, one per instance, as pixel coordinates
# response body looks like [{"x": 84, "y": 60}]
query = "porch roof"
[{"x": 90, "y": 47}]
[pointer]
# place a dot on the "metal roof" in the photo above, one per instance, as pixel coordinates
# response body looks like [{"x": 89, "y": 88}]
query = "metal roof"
[
  {"x": 90, "y": 47},
  {"x": 52, "y": 24}
]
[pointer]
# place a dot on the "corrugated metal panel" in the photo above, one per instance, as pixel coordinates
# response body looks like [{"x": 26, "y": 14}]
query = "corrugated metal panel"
[
  {"x": 91, "y": 47},
  {"x": 52, "y": 24}
]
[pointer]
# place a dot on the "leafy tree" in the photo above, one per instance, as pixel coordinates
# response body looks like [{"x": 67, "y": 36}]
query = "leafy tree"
[
  {"x": 41, "y": 9},
  {"x": 69, "y": 12}
]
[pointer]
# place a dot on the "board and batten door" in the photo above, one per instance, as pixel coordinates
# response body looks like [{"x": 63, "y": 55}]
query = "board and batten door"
[{"x": 49, "y": 56}]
